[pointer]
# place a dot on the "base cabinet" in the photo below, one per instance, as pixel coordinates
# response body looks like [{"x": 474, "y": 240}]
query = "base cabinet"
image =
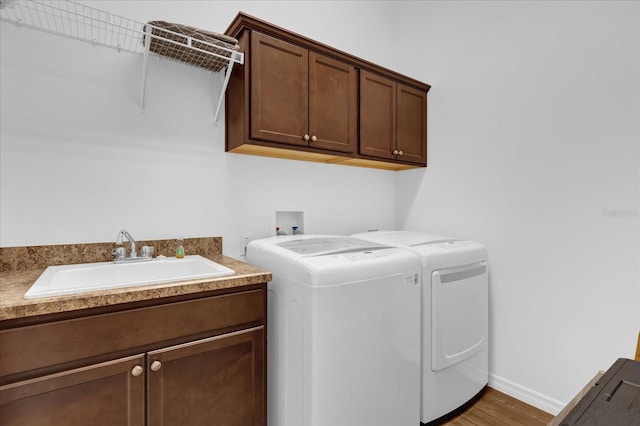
[
  {"x": 208, "y": 382},
  {"x": 102, "y": 394},
  {"x": 195, "y": 362}
]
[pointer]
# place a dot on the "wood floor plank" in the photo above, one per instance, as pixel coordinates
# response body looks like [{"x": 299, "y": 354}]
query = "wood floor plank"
[{"x": 495, "y": 408}]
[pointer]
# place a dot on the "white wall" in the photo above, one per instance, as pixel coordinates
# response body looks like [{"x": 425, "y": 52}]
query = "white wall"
[
  {"x": 80, "y": 162},
  {"x": 533, "y": 134},
  {"x": 534, "y": 150}
]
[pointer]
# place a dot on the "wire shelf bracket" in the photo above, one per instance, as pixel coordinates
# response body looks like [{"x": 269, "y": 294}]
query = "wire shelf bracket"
[{"x": 199, "y": 48}]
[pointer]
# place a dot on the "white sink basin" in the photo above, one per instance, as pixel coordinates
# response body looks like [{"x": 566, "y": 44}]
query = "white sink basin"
[{"x": 71, "y": 279}]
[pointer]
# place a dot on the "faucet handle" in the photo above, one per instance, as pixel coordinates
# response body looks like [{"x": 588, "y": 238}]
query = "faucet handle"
[
  {"x": 120, "y": 236},
  {"x": 119, "y": 253},
  {"x": 147, "y": 251}
]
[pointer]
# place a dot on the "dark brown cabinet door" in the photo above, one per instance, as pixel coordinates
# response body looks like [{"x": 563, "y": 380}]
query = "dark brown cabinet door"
[
  {"x": 300, "y": 97},
  {"x": 333, "y": 104},
  {"x": 214, "y": 381},
  {"x": 377, "y": 115},
  {"x": 110, "y": 393},
  {"x": 393, "y": 120},
  {"x": 279, "y": 91},
  {"x": 411, "y": 136}
]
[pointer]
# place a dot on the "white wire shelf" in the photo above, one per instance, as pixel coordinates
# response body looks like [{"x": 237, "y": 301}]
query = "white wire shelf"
[{"x": 199, "y": 48}]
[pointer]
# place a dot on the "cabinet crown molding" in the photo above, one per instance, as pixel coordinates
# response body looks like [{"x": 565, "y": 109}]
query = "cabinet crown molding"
[{"x": 244, "y": 21}]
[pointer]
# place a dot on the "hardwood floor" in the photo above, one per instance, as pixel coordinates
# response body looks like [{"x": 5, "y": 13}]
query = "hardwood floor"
[{"x": 494, "y": 408}]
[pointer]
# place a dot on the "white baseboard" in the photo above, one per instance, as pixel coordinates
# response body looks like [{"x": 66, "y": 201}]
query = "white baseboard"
[{"x": 531, "y": 397}]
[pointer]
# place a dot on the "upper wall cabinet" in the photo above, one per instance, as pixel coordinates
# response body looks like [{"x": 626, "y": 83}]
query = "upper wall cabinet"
[
  {"x": 299, "y": 99},
  {"x": 392, "y": 119}
]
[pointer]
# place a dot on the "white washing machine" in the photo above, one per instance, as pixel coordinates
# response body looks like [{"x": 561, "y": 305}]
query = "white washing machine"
[
  {"x": 455, "y": 318},
  {"x": 343, "y": 332}
]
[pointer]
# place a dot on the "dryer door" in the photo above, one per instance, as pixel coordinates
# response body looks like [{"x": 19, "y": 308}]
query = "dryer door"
[{"x": 459, "y": 309}]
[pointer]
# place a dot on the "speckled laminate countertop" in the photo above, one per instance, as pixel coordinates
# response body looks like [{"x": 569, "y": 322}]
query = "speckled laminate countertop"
[{"x": 17, "y": 277}]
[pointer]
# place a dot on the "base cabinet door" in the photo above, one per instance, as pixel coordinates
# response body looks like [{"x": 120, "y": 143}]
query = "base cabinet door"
[
  {"x": 214, "y": 381},
  {"x": 109, "y": 393}
]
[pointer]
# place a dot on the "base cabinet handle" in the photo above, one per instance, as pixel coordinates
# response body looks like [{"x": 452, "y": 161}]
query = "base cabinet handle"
[
  {"x": 156, "y": 365},
  {"x": 136, "y": 371}
]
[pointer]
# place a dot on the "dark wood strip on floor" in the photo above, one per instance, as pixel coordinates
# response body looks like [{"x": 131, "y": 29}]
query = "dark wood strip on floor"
[{"x": 494, "y": 408}]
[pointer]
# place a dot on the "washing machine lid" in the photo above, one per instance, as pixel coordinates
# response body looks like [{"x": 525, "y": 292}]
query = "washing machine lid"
[
  {"x": 327, "y": 260},
  {"x": 326, "y": 245},
  {"x": 402, "y": 238}
]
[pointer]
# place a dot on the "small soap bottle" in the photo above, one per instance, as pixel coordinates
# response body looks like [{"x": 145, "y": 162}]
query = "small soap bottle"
[{"x": 180, "y": 248}]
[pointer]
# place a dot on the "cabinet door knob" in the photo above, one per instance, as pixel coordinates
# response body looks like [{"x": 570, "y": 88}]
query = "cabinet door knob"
[
  {"x": 136, "y": 371},
  {"x": 395, "y": 152},
  {"x": 306, "y": 137},
  {"x": 399, "y": 152},
  {"x": 155, "y": 365},
  {"x": 314, "y": 138}
]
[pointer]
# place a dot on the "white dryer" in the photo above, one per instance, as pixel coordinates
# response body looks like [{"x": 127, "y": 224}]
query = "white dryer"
[
  {"x": 343, "y": 332},
  {"x": 455, "y": 312}
]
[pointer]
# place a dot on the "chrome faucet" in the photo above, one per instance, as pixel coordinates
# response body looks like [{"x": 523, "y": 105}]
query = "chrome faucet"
[
  {"x": 120, "y": 252},
  {"x": 128, "y": 236}
]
